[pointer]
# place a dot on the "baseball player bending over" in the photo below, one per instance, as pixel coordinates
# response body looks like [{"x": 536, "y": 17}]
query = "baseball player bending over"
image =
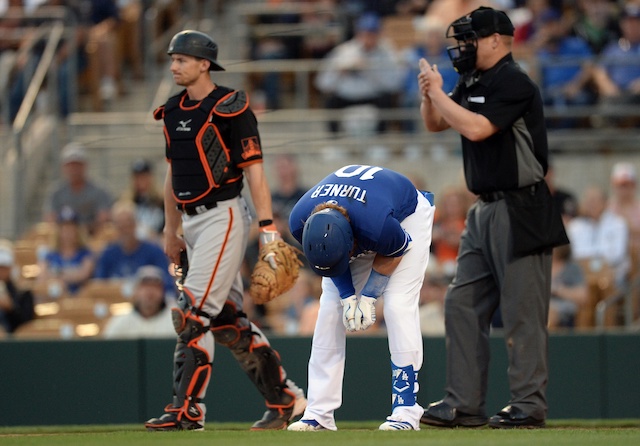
[
  {"x": 367, "y": 230},
  {"x": 212, "y": 141}
]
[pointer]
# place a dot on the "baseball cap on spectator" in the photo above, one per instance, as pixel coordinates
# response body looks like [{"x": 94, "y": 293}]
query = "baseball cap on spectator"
[
  {"x": 487, "y": 21},
  {"x": 68, "y": 215},
  {"x": 149, "y": 274},
  {"x": 631, "y": 11},
  {"x": 368, "y": 22},
  {"x": 6, "y": 253},
  {"x": 141, "y": 166},
  {"x": 550, "y": 15},
  {"x": 73, "y": 153},
  {"x": 623, "y": 173}
]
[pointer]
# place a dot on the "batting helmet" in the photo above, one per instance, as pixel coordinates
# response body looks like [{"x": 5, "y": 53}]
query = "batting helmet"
[
  {"x": 196, "y": 44},
  {"x": 327, "y": 241}
]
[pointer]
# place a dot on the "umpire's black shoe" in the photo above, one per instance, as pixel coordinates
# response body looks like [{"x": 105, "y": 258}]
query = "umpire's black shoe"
[
  {"x": 511, "y": 417},
  {"x": 441, "y": 414}
]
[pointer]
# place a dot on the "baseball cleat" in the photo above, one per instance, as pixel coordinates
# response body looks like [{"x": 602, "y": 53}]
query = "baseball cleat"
[
  {"x": 306, "y": 426},
  {"x": 169, "y": 422},
  {"x": 396, "y": 425},
  {"x": 273, "y": 419},
  {"x": 279, "y": 418}
]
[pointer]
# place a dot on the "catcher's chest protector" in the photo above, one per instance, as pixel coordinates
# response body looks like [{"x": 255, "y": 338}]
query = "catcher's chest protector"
[{"x": 195, "y": 136}]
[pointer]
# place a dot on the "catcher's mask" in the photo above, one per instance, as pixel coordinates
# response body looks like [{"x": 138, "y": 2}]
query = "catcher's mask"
[
  {"x": 196, "y": 44},
  {"x": 327, "y": 241},
  {"x": 466, "y": 30}
]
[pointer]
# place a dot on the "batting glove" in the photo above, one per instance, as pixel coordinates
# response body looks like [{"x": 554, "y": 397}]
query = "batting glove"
[
  {"x": 366, "y": 313},
  {"x": 349, "y": 305}
]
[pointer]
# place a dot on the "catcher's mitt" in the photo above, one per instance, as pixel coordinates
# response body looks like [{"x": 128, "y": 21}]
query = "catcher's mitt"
[{"x": 275, "y": 271}]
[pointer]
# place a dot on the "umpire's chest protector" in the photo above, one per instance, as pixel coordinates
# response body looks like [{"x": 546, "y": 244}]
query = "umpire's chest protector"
[{"x": 195, "y": 136}]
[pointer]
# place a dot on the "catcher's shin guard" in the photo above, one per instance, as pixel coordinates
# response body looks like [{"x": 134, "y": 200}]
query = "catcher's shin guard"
[
  {"x": 260, "y": 362},
  {"x": 191, "y": 372}
]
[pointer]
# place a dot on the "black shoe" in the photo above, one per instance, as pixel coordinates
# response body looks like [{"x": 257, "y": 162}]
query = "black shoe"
[
  {"x": 169, "y": 422},
  {"x": 441, "y": 414},
  {"x": 511, "y": 417}
]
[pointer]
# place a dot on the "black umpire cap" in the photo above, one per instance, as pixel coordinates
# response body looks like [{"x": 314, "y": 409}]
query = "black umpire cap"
[{"x": 486, "y": 21}]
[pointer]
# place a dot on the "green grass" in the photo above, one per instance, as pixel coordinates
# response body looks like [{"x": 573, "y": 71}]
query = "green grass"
[{"x": 565, "y": 432}]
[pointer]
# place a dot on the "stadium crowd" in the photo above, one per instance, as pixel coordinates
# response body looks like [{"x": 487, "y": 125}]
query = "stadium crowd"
[{"x": 581, "y": 52}]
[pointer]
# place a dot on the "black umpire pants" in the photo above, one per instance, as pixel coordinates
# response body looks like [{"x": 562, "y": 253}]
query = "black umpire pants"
[{"x": 487, "y": 276}]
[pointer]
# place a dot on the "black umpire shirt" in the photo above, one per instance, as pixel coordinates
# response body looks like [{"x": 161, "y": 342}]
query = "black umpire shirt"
[{"x": 515, "y": 156}]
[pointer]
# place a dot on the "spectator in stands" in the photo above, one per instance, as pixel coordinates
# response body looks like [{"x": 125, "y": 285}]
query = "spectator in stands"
[
  {"x": 599, "y": 237},
  {"x": 99, "y": 21},
  {"x": 122, "y": 259},
  {"x": 150, "y": 316},
  {"x": 288, "y": 187},
  {"x": 564, "y": 200},
  {"x": 624, "y": 202},
  {"x": 76, "y": 190},
  {"x": 308, "y": 314},
  {"x": 617, "y": 74},
  {"x": 449, "y": 222},
  {"x": 70, "y": 263},
  {"x": 569, "y": 289},
  {"x": 528, "y": 22},
  {"x": 411, "y": 7},
  {"x": 148, "y": 199},
  {"x": 322, "y": 18},
  {"x": 29, "y": 53},
  {"x": 363, "y": 70},
  {"x": 434, "y": 288},
  {"x": 430, "y": 43},
  {"x": 446, "y": 11},
  {"x": 596, "y": 23},
  {"x": 285, "y": 313},
  {"x": 16, "y": 305},
  {"x": 565, "y": 63}
]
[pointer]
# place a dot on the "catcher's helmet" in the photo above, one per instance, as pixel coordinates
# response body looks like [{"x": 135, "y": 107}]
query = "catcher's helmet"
[
  {"x": 196, "y": 44},
  {"x": 327, "y": 242}
]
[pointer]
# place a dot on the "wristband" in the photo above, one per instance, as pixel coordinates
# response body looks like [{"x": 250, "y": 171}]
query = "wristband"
[
  {"x": 375, "y": 284},
  {"x": 263, "y": 223}
]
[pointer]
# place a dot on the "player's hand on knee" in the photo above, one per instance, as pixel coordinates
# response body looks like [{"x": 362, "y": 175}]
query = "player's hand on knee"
[
  {"x": 349, "y": 306},
  {"x": 366, "y": 313}
]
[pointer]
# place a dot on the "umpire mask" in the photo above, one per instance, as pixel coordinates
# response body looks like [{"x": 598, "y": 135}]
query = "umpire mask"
[
  {"x": 464, "y": 54},
  {"x": 480, "y": 23}
]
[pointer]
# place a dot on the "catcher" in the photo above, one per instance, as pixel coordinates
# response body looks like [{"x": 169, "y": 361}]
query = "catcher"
[{"x": 212, "y": 143}]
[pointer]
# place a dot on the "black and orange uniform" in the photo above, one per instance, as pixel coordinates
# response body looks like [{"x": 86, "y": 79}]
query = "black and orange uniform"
[{"x": 208, "y": 143}]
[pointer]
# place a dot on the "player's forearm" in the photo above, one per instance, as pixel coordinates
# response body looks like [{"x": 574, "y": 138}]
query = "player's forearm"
[
  {"x": 172, "y": 216},
  {"x": 386, "y": 265},
  {"x": 260, "y": 193}
]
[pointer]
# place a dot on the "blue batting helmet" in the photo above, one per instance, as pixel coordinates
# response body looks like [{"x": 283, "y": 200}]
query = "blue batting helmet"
[{"x": 327, "y": 241}]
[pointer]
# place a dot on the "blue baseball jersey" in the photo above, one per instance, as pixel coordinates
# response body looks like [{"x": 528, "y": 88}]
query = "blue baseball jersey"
[{"x": 376, "y": 199}]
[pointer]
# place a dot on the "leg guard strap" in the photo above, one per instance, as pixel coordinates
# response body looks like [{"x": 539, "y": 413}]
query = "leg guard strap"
[
  {"x": 192, "y": 366},
  {"x": 256, "y": 357}
]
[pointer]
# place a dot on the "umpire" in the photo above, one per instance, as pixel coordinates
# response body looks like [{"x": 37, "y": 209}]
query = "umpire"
[{"x": 504, "y": 257}]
